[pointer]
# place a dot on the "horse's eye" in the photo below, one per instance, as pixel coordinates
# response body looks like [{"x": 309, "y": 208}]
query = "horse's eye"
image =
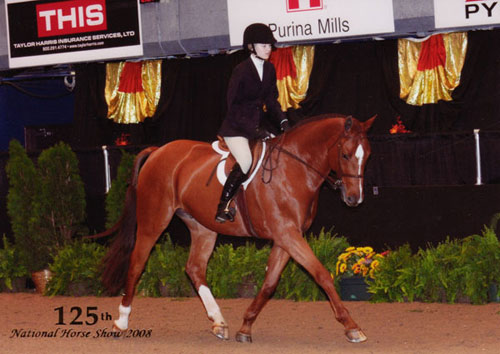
[{"x": 345, "y": 156}]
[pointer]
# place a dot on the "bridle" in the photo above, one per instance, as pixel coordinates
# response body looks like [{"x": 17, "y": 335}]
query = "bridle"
[{"x": 335, "y": 183}]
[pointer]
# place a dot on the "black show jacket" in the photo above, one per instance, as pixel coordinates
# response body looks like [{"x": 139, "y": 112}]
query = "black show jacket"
[{"x": 246, "y": 97}]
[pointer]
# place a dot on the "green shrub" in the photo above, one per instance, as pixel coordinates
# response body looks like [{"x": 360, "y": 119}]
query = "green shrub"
[
  {"x": 59, "y": 208},
  {"x": 296, "y": 283},
  {"x": 23, "y": 186},
  {"x": 77, "y": 264},
  {"x": 46, "y": 205},
  {"x": 230, "y": 269},
  {"x": 222, "y": 274},
  {"x": 166, "y": 267},
  {"x": 115, "y": 200},
  {"x": 10, "y": 265},
  {"x": 480, "y": 256},
  {"x": 454, "y": 270},
  {"x": 396, "y": 277},
  {"x": 251, "y": 266}
]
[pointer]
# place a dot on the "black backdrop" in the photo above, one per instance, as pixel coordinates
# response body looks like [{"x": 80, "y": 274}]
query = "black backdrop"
[
  {"x": 358, "y": 78},
  {"x": 419, "y": 186},
  {"x": 420, "y": 177}
]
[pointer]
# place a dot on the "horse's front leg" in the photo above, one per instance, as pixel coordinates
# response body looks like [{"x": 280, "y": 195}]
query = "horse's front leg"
[
  {"x": 275, "y": 265},
  {"x": 300, "y": 251}
]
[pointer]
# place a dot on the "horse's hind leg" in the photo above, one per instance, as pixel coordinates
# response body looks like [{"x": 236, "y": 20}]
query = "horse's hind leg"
[
  {"x": 138, "y": 259},
  {"x": 202, "y": 245},
  {"x": 152, "y": 219},
  {"x": 275, "y": 265},
  {"x": 299, "y": 250}
]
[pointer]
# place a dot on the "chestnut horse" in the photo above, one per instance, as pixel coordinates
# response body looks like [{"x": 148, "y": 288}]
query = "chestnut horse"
[{"x": 174, "y": 179}]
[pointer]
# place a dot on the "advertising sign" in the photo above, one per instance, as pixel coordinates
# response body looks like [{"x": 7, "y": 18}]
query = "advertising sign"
[
  {"x": 52, "y": 32},
  {"x": 302, "y": 20},
  {"x": 466, "y": 13}
]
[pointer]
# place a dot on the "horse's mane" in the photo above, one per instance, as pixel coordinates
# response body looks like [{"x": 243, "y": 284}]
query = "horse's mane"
[{"x": 317, "y": 118}]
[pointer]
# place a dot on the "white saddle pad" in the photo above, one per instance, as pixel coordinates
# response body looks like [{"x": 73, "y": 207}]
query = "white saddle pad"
[{"x": 221, "y": 175}]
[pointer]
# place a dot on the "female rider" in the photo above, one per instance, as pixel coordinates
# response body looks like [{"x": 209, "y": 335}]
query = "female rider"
[{"x": 252, "y": 89}]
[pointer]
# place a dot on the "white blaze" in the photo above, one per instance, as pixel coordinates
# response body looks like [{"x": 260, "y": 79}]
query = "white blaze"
[{"x": 360, "y": 153}]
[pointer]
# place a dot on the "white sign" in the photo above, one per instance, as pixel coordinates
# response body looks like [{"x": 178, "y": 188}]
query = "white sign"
[
  {"x": 302, "y": 20},
  {"x": 466, "y": 13}
]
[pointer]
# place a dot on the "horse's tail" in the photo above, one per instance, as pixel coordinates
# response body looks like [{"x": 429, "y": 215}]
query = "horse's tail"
[{"x": 116, "y": 261}]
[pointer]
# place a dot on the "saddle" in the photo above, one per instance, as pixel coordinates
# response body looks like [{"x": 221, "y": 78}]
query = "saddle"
[
  {"x": 227, "y": 161},
  {"x": 223, "y": 168}
]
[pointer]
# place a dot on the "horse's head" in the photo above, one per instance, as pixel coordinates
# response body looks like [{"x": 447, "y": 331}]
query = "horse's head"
[{"x": 348, "y": 156}]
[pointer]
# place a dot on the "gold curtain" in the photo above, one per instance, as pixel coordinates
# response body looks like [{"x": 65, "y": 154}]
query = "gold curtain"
[
  {"x": 293, "y": 68},
  {"x": 132, "y": 90},
  {"x": 429, "y": 71}
]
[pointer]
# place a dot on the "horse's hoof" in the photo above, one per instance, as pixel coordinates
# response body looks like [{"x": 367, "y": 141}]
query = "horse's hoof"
[
  {"x": 243, "y": 338},
  {"x": 221, "y": 332},
  {"x": 355, "y": 335},
  {"x": 117, "y": 331}
]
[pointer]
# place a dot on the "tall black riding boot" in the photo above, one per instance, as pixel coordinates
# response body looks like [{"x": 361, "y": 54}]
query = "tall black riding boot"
[{"x": 233, "y": 182}]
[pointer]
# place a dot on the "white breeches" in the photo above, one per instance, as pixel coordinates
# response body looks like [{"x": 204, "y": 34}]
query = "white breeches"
[{"x": 239, "y": 147}]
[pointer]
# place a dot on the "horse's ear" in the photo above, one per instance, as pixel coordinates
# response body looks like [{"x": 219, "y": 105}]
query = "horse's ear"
[
  {"x": 348, "y": 123},
  {"x": 368, "y": 124}
]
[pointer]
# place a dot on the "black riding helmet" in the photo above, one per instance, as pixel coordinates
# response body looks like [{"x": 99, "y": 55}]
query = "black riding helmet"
[{"x": 258, "y": 33}]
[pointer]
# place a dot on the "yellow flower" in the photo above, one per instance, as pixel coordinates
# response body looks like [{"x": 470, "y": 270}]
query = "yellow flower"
[
  {"x": 343, "y": 267},
  {"x": 348, "y": 249},
  {"x": 368, "y": 250}
]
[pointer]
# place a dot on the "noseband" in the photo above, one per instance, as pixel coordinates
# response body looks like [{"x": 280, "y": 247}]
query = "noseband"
[
  {"x": 340, "y": 174},
  {"x": 335, "y": 183}
]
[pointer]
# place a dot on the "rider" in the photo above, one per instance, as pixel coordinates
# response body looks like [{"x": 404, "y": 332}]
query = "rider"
[{"x": 252, "y": 89}]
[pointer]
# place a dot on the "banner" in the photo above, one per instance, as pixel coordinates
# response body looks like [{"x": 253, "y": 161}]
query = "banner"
[
  {"x": 466, "y": 13},
  {"x": 53, "y": 32},
  {"x": 302, "y": 20}
]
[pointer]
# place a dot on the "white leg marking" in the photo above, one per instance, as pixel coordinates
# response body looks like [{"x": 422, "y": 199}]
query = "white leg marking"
[
  {"x": 360, "y": 153},
  {"x": 122, "y": 322},
  {"x": 213, "y": 310}
]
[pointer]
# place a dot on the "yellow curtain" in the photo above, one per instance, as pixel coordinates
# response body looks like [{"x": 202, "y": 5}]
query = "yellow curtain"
[
  {"x": 429, "y": 71},
  {"x": 293, "y": 68},
  {"x": 132, "y": 90}
]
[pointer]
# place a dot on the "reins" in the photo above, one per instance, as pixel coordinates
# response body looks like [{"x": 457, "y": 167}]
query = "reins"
[{"x": 335, "y": 183}]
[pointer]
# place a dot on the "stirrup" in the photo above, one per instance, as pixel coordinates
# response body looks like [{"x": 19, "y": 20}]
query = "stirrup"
[{"x": 226, "y": 214}]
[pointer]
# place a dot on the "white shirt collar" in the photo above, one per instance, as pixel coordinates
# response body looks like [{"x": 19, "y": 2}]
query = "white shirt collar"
[{"x": 259, "y": 65}]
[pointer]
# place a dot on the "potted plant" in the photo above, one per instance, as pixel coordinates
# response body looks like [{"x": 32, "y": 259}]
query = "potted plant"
[
  {"x": 165, "y": 271},
  {"x": 296, "y": 283},
  {"x": 397, "y": 277},
  {"x": 77, "y": 270},
  {"x": 46, "y": 205},
  {"x": 455, "y": 270},
  {"x": 24, "y": 185},
  {"x": 115, "y": 200},
  {"x": 12, "y": 272},
  {"x": 353, "y": 266},
  {"x": 59, "y": 206},
  {"x": 250, "y": 268}
]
